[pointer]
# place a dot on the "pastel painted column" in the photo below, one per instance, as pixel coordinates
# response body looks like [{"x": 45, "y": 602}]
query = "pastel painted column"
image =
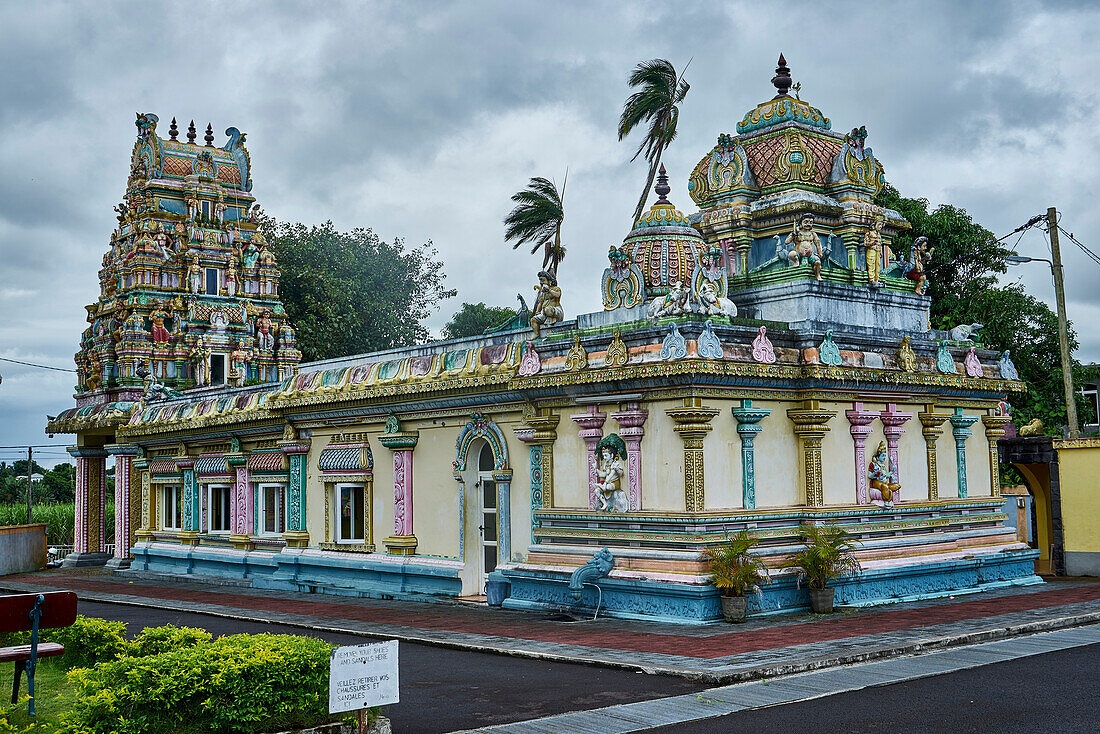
[
  {"x": 89, "y": 536},
  {"x": 591, "y": 425},
  {"x": 748, "y": 425},
  {"x": 192, "y": 502},
  {"x": 295, "y": 534},
  {"x": 124, "y": 469},
  {"x": 893, "y": 425},
  {"x": 994, "y": 429},
  {"x": 539, "y": 433},
  {"x": 811, "y": 423},
  {"x": 631, "y": 420},
  {"x": 960, "y": 429},
  {"x": 403, "y": 541},
  {"x": 692, "y": 425},
  {"x": 861, "y": 428},
  {"x": 148, "y": 502},
  {"x": 930, "y": 422},
  {"x": 503, "y": 479},
  {"x": 242, "y": 502}
]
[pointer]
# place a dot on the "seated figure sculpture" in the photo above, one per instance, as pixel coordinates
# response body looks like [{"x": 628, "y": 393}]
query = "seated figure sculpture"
[
  {"x": 610, "y": 474},
  {"x": 674, "y": 303},
  {"x": 883, "y": 478},
  {"x": 805, "y": 245},
  {"x": 548, "y": 310},
  {"x": 711, "y": 304}
]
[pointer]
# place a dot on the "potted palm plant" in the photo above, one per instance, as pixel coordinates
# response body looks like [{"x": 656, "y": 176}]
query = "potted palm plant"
[
  {"x": 828, "y": 555},
  {"x": 735, "y": 571}
]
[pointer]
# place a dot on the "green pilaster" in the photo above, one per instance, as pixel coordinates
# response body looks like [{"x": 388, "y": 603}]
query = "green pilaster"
[
  {"x": 960, "y": 429},
  {"x": 748, "y": 425}
]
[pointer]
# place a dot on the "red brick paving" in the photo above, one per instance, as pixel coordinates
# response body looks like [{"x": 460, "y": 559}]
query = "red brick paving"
[{"x": 457, "y": 619}]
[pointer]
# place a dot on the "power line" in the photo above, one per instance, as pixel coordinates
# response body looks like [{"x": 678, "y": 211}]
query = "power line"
[
  {"x": 1095, "y": 258},
  {"x": 32, "y": 364}
]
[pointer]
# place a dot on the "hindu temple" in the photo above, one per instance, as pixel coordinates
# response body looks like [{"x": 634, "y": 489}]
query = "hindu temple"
[{"x": 759, "y": 363}]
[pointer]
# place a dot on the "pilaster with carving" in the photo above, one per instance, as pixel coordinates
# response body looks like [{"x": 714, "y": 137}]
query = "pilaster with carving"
[
  {"x": 861, "y": 421},
  {"x": 930, "y": 428},
  {"x": 401, "y": 443},
  {"x": 631, "y": 420},
  {"x": 91, "y": 483},
  {"x": 748, "y": 425},
  {"x": 296, "y": 452},
  {"x": 242, "y": 516},
  {"x": 539, "y": 433},
  {"x": 192, "y": 502},
  {"x": 148, "y": 501},
  {"x": 591, "y": 431},
  {"x": 811, "y": 423},
  {"x": 994, "y": 429},
  {"x": 960, "y": 429},
  {"x": 124, "y": 493},
  {"x": 692, "y": 425}
]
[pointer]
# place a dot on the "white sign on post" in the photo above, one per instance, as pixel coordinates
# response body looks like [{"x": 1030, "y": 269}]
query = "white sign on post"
[{"x": 361, "y": 676}]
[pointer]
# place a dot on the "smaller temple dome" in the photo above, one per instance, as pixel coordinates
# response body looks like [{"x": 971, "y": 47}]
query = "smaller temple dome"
[{"x": 663, "y": 243}]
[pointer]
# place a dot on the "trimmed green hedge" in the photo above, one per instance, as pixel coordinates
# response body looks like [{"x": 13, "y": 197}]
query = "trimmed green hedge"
[
  {"x": 157, "y": 640},
  {"x": 240, "y": 684},
  {"x": 87, "y": 641}
]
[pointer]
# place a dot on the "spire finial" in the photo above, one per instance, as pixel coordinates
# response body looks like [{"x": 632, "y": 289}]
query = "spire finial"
[
  {"x": 662, "y": 187},
  {"x": 782, "y": 79},
  {"x": 209, "y": 137},
  {"x": 173, "y": 131},
  {"x": 191, "y": 133}
]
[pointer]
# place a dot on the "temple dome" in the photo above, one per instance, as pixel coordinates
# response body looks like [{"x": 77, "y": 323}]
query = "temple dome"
[
  {"x": 663, "y": 243},
  {"x": 782, "y": 108}
]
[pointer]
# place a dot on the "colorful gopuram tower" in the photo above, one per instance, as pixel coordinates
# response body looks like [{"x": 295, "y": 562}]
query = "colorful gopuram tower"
[{"x": 189, "y": 292}]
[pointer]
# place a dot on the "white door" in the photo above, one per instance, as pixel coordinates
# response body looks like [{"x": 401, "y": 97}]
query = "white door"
[{"x": 486, "y": 516}]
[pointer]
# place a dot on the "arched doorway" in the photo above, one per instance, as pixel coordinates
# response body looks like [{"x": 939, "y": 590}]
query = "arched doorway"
[{"x": 481, "y": 468}]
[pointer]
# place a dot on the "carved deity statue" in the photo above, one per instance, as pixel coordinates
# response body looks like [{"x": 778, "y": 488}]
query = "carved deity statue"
[
  {"x": 219, "y": 209},
  {"x": 265, "y": 337},
  {"x": 231, "y": 278},
  {"x": 158, "y": 316},
  {"x": 94, "y": 376},
  {"x": 883, "y": 478},
  {"x": 200, "y": 355},
  {"x": 711, "y": 304},
  {"x": 920, "y": 254},
  {"x": 192, "y": 205},
  {"x": 610, "y": 474},
  {"x": 907, "y": 358},
  {"x": 547, "y": 310},
  {"x": 238, "y": 361},
  {"x": 872, "y": 243},
  {"x": 267, "y": 259},
  {"x": 194, "y": 275},
  {"x": 805, "y": 244}
]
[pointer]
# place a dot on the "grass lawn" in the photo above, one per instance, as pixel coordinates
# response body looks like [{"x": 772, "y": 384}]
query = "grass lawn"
[{"x": 53, "y": 697}]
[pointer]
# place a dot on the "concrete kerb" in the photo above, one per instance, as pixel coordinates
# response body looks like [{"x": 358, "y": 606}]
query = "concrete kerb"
[{"x": 718, "y": 676}]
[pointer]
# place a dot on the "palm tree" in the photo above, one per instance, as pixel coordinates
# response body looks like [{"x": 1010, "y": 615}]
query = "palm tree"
[
  {"x": 659, "y": 91},
  {"x": 536, "y": 220}
]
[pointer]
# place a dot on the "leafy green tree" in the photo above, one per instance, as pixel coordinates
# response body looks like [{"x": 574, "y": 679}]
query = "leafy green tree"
[
  {"x": 963, "y": 285},
  {"x": 58, "y": 484},
  {"x": 349, "y": 292},
  {"x": 660, "y": 90},
  {"x": 536, "y": 221},
  {"x": 474, "y": 318}
]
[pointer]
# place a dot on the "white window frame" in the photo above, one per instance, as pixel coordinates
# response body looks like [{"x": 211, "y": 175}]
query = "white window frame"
[
  {"x": 336, "y": 534},
  {"x": 167, "y": 507},
  {"x": 280, "y": 509},
  {"x": 210, "y": 489}
]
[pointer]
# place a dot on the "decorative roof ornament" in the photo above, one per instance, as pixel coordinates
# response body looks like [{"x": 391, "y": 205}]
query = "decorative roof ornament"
[
  {"x": 662, "y": 188},
  {"x": 209, "y": 137},
  {"x": 173, "y": 131},
  {"x": 191, "y": 133},
  {"x": 782, "y": 79}
]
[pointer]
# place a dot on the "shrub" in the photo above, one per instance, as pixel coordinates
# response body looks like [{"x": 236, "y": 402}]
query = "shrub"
[
  {"x": 828, "y": 555},
  {"x": 239, "y": 684},
  {"x": 734, "y": 569},
  {"x": 89, "y": 641},
  {"x": 156, "y": 640}
]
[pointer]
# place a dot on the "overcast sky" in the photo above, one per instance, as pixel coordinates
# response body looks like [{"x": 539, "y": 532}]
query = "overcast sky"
[{"x": 420, "y": 119}]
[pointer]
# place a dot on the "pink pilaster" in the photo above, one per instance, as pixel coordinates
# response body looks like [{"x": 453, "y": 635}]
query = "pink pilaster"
[
  {"x": 861, "y": 428},
  {"x": 122, "y": 505},
  {"x": 591, "y": 425},
  {"x": 631, "y": 422},
  {"x": 80, "y": 540},
  {"x": 244, "y": 520},
  {"x": 402, "y": 492},
  {"x": 893, "y": 425}
]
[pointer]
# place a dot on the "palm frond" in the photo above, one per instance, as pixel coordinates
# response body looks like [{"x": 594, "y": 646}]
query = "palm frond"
[{"x": 536, "y": 219}]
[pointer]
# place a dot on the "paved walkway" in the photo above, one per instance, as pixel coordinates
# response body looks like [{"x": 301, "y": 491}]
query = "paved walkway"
[{"x": 718, "y": 653}]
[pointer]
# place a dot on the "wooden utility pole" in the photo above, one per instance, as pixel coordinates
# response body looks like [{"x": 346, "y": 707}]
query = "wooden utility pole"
[
  {"x": 30, "y": 488},
  {"x": 1063, "y": 335}
]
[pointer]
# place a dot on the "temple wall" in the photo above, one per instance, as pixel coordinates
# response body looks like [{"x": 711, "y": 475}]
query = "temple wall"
[
  {"x": 571, "y": 464},
  {"x": 663, "y": 460},
  {"x": 779, "y": 475},
  {"x": 977, "y": 464},
  {"x": 435, "y": 491},
  {"x": 947, "y": 468},
  {"x": 722, "y": 462}
]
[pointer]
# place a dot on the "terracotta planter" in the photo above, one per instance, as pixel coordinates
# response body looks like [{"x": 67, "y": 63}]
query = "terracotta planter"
[
  {"x": 821, "y": 600},
  {"x": 734, "y": 608}
]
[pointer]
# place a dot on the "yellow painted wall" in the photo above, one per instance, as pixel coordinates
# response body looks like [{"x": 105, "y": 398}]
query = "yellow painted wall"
[
  {"x": 947, "y": 465},
  {"x": 779, "y": 477},
  {"x": 571, "y": 463},
  {"x": 1079, "y": 480},
  {"x": 663, "y": 460},
  {"x": 838, "y": 467},
  {"x": 435, "y": 492}
]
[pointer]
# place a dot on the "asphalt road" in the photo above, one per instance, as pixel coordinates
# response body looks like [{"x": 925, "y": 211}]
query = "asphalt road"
[
  {"x": 1054, "y": 693},
  {"x": 443, "y": 690}
]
